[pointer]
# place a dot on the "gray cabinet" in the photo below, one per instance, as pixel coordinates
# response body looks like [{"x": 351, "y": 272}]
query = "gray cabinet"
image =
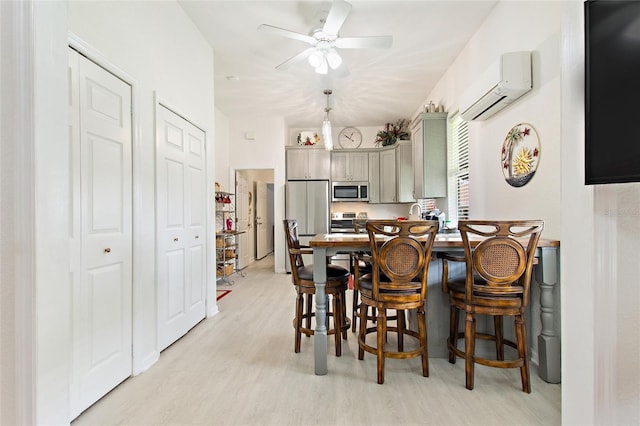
[
  {"x": 308, "y": 163},
  {"x": 429, "y": 144},
  {"x": 404, "y": 172},
  {"x": 374, "y": 177},
  {"x": 388, "y": 176},
  {"x": 393, "y": 170},
  {"x": 350, "y": 166}
]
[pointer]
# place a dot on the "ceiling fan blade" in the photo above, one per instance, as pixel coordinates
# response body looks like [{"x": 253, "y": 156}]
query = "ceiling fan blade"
[
  {"x": 364, "y": 42},
  {"x": 337, "y": 15},
  {"x": 286, "y": 33},
  {"x": 299, "y": 57}
]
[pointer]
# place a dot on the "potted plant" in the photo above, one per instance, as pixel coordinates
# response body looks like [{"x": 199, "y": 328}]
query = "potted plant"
[{"x": 393, "y": 132}]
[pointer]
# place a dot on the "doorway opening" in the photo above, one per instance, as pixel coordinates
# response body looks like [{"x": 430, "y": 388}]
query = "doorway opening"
[{"x": 254, "y": 190}]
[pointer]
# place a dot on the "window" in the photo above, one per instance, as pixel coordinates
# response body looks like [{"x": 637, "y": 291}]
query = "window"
[{"x": 458, "y": 168}]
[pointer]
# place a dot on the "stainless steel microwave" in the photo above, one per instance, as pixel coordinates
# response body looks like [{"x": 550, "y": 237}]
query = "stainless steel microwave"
[{"x": 350, "y": 191}]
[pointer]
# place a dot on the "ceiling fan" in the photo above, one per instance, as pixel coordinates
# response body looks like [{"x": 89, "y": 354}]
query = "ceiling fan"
[{"x": 325, "y": 40}]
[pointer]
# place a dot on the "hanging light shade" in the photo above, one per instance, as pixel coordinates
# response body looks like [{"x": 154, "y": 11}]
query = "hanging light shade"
[
  {"x": 326, "y": 125},
  {"x": 323, "y": 67},
  {"x": 333, "y": 58},
  {"x": 315, "y": 59}
]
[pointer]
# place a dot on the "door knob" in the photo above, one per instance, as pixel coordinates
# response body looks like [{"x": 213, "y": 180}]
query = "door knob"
[{"x": 107, "y": 250}]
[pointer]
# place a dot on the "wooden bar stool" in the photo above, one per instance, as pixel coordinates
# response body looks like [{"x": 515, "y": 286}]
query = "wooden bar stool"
[
  {"x": 302, "y": 278},
  {"x": 398, "y": 281},
  {"x": 496, "y": 283}
]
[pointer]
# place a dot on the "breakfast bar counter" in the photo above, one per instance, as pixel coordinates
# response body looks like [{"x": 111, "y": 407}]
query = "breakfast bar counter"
[{"x": 546, "y": 275}]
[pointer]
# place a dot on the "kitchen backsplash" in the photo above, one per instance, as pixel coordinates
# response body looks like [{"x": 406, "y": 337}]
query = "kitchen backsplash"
[{"x": 374, "y": 211}]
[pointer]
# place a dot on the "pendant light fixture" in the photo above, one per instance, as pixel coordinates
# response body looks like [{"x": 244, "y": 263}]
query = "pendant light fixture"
[{"x": 326, "y": 125}]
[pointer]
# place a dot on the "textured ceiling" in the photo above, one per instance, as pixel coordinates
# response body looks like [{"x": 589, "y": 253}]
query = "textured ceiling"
[{"x": 381, "y": 85}]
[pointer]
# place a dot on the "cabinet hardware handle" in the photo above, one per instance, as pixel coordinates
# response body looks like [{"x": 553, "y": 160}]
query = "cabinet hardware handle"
[
  {"x": 197, "y": 236},
  {"x": 107, "y": 250},
  {"x": 175, "y": 239}
]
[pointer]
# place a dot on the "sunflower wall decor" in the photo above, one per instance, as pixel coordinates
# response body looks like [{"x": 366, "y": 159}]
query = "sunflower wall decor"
[{"x": 520, "y": 154}]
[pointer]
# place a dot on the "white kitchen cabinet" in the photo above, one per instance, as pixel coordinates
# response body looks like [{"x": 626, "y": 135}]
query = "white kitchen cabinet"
[
  {"x": 429, "y": 144},
  {"x": 350, "y": 166},
  {"x": 308, "y": 163}
]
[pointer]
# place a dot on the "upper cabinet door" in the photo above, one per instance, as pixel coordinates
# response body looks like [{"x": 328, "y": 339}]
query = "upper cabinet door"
[
  {"x": 359, "y": 166},
  {"x": 350, "y": 166},
  {"x": 429, "y": 139},
  {"x": 308, "y": 163},
  {"x": 318, "y": 161}
]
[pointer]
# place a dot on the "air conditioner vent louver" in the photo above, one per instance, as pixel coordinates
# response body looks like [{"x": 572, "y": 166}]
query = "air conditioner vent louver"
[{"x": 501, "y": 84}]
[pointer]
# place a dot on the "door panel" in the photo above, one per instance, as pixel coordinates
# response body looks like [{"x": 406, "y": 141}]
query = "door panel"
[
  {"x": 180, "y": 212},
  {"x": 243, "y": 222},
  {"x": 262, "y": 248},
  {"x": 100, "y": 137}
]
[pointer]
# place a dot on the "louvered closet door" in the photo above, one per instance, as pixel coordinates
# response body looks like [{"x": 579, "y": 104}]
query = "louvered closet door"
[
  {"x": 180, "y": 212},
  {"x": 101, "y": 240}
]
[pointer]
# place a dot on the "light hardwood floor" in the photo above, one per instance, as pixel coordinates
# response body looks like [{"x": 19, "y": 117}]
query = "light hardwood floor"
[{"x": 239, "y": 368}]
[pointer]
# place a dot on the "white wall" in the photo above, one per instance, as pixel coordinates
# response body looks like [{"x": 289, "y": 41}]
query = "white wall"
[
  {"x": 513, "y": 26},
  {"x": 266, "y": 151},
  {"x": 221, "y": 143},
  {"x": 598, "y": 226}
]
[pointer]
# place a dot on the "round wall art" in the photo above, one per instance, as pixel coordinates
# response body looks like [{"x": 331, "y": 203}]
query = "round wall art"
[{"x": 520, "y": 154}]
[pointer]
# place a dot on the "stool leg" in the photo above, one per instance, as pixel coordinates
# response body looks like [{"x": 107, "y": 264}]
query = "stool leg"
[
  {"x": 309, "y": 310},
  {"x": 454, "y": 319},
  {"x": 382, "y": 332},
  {"x": 422, "y": 332},
  {"x": 521, "y": 340},
  {"x": 337, "y": 322},
  {"x": 298, "y": 321},
  {"x": 497, "y": 324},
  {"x": 354, "y": 308},
  {"x": 363, "y": 330},
  {"x": 401, "y": 329},
  {"x": 470, "y": 342}
]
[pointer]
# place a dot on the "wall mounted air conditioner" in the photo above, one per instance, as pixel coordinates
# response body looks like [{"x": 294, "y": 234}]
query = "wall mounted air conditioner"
[{"x": 500, "y": 85}]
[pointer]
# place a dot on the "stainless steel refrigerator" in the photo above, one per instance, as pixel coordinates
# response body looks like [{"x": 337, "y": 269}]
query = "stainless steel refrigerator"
[{"x": 307, "y": 201}]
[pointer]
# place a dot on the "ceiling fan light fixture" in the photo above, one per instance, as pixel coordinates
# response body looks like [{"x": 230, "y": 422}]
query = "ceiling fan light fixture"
[
  {"x": 315, "y": 59},
  {"x": 323, "y": 67},
  {"x": 333, "y": 58}
]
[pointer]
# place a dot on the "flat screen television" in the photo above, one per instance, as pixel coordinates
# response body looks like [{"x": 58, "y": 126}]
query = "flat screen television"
[{"x": 612, "y": 92}]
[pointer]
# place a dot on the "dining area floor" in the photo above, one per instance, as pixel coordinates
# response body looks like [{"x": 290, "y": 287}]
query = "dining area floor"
[{"x": 239, "y": 368}]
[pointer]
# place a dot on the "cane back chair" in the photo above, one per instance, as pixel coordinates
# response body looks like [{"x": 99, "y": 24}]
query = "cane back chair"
[
  {"x": 496, "y": 283},
  {"x": 400, "y": 253}
]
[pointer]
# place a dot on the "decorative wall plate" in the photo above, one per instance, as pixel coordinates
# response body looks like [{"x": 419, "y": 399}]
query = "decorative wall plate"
[
  {"x": 308, "y": 138},
  {"x": 520, "y": 154}
]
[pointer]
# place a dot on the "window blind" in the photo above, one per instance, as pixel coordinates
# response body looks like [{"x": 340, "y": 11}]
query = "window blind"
[{"x": 458, "y": 168}]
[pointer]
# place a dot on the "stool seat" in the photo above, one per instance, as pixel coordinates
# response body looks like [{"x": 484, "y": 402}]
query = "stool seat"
[{"x": 334, "y": 272}]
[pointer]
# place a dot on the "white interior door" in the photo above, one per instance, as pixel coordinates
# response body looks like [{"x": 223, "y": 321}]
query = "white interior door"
[
  {"x": 243, "y": 221},
  {"x": 180, "y": 212},
  {"x": 101, "y": 241},
  {"x": 262, "y": 243}
]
